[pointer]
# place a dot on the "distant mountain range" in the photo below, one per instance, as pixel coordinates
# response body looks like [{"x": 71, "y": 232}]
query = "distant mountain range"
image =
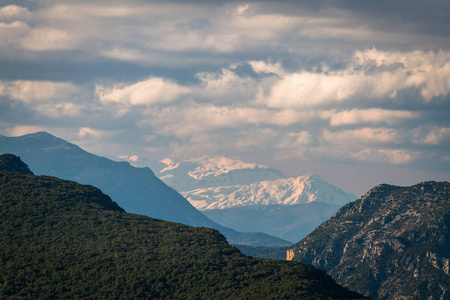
[
  {"x": 63, "y": 240},
  {"x": 249, "y": 197},
  {"x": 137, "y": 190},
  {"x": 393, "y": 243}
]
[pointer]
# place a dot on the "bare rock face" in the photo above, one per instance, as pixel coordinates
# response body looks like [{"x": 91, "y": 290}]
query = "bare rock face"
[{"x": 393, "y": 243}]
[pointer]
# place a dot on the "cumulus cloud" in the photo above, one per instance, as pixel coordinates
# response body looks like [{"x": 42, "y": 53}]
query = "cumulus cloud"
[
  {"x": 29, "y": 91},
  {"x": 372, "y": 74},
  {"x": 47, "y": 38},
  {"x": 151, "y": 91},
  {"x": 392, "y": 156},
  {"x": 363, "y": 135},
  {"x": 433, "y": 136},
  {"x": 14, "y": 12},
  {"x": 295, "y": 140},
  {"x": 369, "y": 116},
  {"x": 89, "y": 132}
]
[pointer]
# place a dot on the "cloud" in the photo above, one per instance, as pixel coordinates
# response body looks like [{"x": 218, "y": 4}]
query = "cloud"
[
  {"x": 369, "y": 116},
  {"x": 267, "y": 67},
  {"x": 47, "y": 38},
  {"x": 225, "y": 86},
  {"x": 29, "y": 91},
  {"x": 307, "y": 89},
  {"x": 14, "y": 12},
  {"x": 148, "y": 92},
  {"x": 434, "y": 136},
  {"x": 372, "y": 74},
  {"x": 390, "y": 156},
  {"x": 295, "y": 140},
  {"x": 363, "y": 136},
  {"x": 89, "y": 132},
  {"x": 189, "y": 118},
  {"x": 427, "y": 71}
]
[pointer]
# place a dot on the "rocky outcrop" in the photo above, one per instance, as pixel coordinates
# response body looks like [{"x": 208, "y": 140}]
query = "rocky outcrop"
[{"x": 393, "y": 243}]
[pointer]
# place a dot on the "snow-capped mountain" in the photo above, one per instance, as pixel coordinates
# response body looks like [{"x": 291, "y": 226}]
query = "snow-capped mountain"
[
  {"x": 288, "y": 191},
  {"x": 205, "y": 172},
  {"x": 247, "y": 196}
]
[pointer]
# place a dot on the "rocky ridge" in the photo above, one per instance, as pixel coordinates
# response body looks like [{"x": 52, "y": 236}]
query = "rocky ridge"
[{"x": 393, "y": 243}]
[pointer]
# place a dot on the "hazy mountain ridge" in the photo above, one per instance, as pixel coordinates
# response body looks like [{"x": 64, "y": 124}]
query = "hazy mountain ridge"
[
  {"x": 392, "y": 243},
  {"x": 63, "y": 240},
  {"x": 137, "y": 190},
  {"x": 289, "y": 222}
]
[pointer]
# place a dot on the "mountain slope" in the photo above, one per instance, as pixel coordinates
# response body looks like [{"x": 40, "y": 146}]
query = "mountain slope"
[
  {"x": 63, "y": 240},
  {"x": 137, "y": 190},
  {"x": 393, "y": 243}
]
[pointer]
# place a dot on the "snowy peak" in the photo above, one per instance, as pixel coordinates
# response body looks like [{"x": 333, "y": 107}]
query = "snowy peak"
[
  {"x": 287, "y": 191},
  {"x": 206, "y": 171},
  {"x": 217, "y": 182},
  {"x": 218, "y": 165}
]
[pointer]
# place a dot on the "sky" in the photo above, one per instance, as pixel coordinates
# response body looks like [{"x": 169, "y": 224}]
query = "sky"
[{"x": 357, "y": 92}]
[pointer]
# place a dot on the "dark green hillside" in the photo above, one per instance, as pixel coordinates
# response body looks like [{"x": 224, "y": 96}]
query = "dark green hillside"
[
  {"x": 264, "y": 252},
  {"x": 63, "y": 240}
]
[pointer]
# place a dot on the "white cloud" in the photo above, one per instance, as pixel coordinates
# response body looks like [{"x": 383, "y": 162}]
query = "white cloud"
[
  {"x": 225, "y": 87},
  {"x": 294, "y": 140},
  {"x": 389, "y": 156},
  {"x": 363, "y": 135},
  {"x": 14, "y": 12},
  {"x": 267, "y": 67},
  {"x": 373, "y": 74},
  {"x": 148, "y": 92},
  {"x": 307, "y": 89},
  {"x": 125, "y": 54},
  {"x": 434, "y": 136},
  {"x": 47, "y": 38},
  {"x": 89, "y": 132},
  {"x": 192, "y": 118},
  {"x": 14, "y": 25},
  {"x": 29, "y": 91},
  {"x": 369, "y": 116}
]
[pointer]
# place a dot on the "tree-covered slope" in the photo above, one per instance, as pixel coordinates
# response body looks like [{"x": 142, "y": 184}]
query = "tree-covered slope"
[
  {"x": 393, "y": 243},
  {"x": 10, "y": 162},
  {"x": 64, "y": 240}
]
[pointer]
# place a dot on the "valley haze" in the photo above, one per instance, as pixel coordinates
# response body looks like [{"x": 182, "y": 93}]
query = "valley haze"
[{"x": 356, "y": 92}]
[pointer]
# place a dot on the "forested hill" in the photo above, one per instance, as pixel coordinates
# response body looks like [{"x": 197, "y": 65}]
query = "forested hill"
[
  {"x": 64, "y": 240},
  {"x": 10, "y": 162}
]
